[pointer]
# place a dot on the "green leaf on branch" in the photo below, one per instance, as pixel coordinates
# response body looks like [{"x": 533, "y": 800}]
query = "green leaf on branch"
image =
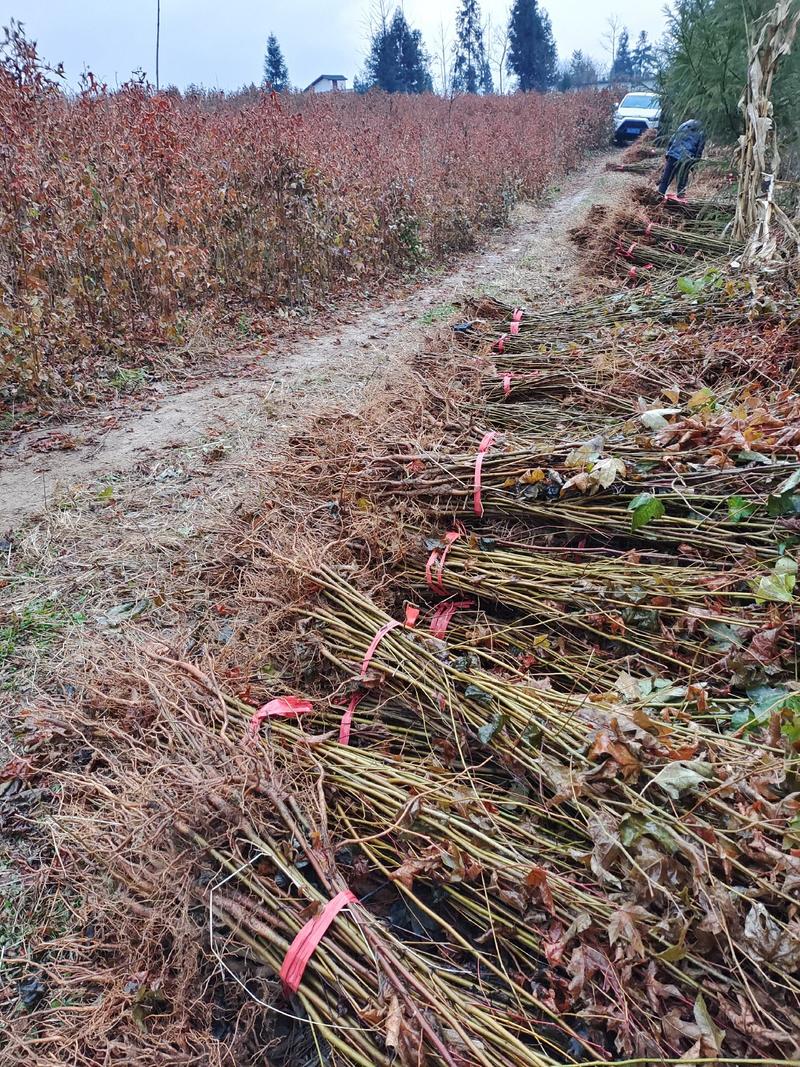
[
  {"x": 474, "y": 692},
  {"x": 645, "y": 507},
  {"x": 780, "y": 506},
  {"x": 766, "y": 701},
  {"x": 739, "y": 508},
  {"x": 690, "y": 286}
]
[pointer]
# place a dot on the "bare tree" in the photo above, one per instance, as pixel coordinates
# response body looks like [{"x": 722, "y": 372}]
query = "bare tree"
[
  {"x": 610, "y": 38},
  {"x": 444, "y": 59},
  {"x": 158, "y": 39},
  {"x": 497, "y": 52}
]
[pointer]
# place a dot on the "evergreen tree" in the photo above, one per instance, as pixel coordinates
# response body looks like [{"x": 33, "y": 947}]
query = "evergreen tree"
[
  {"x": 532, "y": 50},
  {"x": 487, "y": 81},
  {"x": 415, "y": 72},
  {"x": 643, "y": 58},
  {"x": 276, "y": 73},
  {"x": 705, "y": 54},
  {"x": 397, "y": 61},
  {"x": 580, "y": 71},
  {"x": 623, "y": 64},
  {"x": 471, "y": 72}
]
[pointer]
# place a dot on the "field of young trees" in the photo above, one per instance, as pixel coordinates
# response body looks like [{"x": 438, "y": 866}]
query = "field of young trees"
[{"x": 123, "y": 212}]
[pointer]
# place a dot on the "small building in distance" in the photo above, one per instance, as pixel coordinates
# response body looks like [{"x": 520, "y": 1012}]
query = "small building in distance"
[{"x": 327, "y": 83}]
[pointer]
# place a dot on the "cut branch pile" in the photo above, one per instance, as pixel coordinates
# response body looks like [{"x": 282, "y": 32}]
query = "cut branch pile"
[{"x": 577, "y": 769}]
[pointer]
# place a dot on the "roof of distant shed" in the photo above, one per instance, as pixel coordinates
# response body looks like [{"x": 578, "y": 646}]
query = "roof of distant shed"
[{"x": 326, "y": 77}]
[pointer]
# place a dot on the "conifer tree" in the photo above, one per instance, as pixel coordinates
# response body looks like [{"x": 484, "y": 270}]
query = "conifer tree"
[
  {"x": 397, "y": 61},
  {"x": 276, "y": 73},
  {"x": 471, "y": 73},
  {"x": 643, "y": 58},
  {"x": 532, "y": 49},
  {"x": 623, "y": 64}
]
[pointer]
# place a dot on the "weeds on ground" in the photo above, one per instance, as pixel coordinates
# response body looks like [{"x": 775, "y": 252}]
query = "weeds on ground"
[
  {"x": 128, "y": 379},
  {"x": 439, "y": 313}
]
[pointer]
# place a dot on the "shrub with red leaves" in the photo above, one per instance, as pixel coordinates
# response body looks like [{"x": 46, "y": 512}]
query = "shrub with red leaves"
[{"x": 118, "y": 211}]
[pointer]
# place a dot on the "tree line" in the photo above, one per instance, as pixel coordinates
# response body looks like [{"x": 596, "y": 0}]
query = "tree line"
[
  {"x": 520, "y": 54},
  {"x": 699, "y": 66}
]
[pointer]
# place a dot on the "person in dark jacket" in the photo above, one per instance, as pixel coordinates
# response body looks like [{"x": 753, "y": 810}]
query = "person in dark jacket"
[{"x": 685, "y": 148}]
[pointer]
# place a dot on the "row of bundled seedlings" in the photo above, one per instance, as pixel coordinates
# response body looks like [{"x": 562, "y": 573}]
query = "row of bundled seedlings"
[
  {"x": 660, "y": 235},
  {"x": 534, "y": 797}
]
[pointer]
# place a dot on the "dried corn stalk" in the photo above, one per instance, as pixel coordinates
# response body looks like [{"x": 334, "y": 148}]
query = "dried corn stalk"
[{"x": 759, "y": 158}]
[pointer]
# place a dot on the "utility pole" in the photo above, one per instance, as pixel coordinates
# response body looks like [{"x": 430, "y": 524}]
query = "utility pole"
[{"x": 158, "y": 38}]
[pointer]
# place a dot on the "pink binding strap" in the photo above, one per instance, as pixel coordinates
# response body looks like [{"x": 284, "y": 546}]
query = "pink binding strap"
[
  {"x": 411, "y": 616},
  {"x": 304, "y": 945},
  {"x": 347, "y": 718},
  {"x": 648, "y": 229},
  {"x": 501, "y": 342},
  {"x": 438, "y": 556},
  {"x": 516, "y": 319},
  {"x": 280, "y": 708},
  {"x": 376, "y": 640},
  {"x": 507, "y": 383},
  {"x": 443, "y": 616},
  {"x": 483, "y": 448}
]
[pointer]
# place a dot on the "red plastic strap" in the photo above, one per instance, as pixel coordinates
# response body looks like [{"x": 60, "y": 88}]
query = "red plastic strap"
[
  {"x": 507, "y": 383},
  {"x": 628, "y": 252},
  {"x": 347, "y": 718},
  {"x": 516, "y": 318},
  {"x": 439, "y": 555},
  {"x": 443, "y": 616},
  {"x": 501, "y": 342},
  {"x": 648, "y": 229},
  {"x": 280, "y": 708},
  {"x": 376, "y": 640},
  {"x": 632, "y": 273},
  {"x": 302, "y": 948},
  {"x": 483, "y": 448}
]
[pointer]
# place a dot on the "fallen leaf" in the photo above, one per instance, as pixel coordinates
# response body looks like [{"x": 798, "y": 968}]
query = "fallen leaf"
[
  {"x": 682, "y": 777},
  {"x": 537, "y": 879},
  {"x": 622, "y": 927},
  {"x": 768, "y": 942},
  {"x": 711, "y": 1037},
  {"x": 394, "y": 1021}
]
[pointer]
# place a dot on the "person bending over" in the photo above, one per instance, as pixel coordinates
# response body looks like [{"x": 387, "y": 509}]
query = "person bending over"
[{"x": 685, "y": 148}]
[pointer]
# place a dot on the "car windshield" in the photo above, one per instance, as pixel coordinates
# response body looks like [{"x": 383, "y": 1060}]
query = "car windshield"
[{"x": 645, "y": 100}]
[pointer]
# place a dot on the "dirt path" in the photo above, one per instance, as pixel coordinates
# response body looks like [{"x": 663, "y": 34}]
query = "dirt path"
[{"x": 531, "y": 258}]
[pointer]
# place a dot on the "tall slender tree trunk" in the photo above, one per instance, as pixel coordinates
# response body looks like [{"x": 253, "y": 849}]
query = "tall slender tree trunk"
[{"x": 158, "y": 40}]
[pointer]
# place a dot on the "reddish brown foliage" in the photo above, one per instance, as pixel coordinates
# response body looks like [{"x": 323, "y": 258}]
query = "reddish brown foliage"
[{"x": 120, "y": 211}]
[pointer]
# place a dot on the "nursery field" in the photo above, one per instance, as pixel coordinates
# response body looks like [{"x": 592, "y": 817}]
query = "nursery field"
[
  {"x": 125, "y": 214},
  {"x": 454, "y": 719}
]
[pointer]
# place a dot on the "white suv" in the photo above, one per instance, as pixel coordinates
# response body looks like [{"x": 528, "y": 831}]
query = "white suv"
[{"x": 636, "y": 113}]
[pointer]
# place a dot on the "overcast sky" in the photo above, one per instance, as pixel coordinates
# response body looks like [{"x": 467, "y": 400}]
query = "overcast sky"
[{"x": 220, "y": 43}]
